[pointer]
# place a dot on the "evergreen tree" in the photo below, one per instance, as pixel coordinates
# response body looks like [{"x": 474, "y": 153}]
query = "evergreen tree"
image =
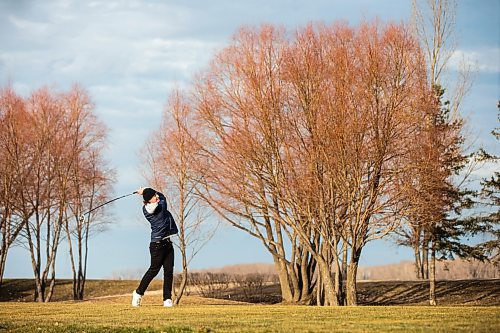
[{"x": 487, "y": 219}]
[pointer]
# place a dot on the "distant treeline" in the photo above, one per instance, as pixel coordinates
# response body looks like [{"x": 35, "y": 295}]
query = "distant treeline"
[{"x": 445, "y": 270}]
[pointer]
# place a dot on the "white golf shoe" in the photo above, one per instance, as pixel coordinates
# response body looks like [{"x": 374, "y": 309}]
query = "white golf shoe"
[
  {"x": 136, "y": 299},
  {"x": 168, "y": 303}
]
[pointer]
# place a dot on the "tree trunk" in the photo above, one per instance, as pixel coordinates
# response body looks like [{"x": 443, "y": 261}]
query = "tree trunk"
[
  {"x": 79, "y": 274},
  {"x": 71, "y": 257},
  {"x": 343, "y": 278},
  {"x": 432, "y": 277},
  {"x": 328, "y": 283},
  {"x": 296, "y": 282},
  {"x": 38, "y": 293},
  {"x": 10, "y": 236},
  {"x": 82, "y": 262},
  {"x": 352, "y": 271},
  {"x": 182, "y": 286},
  {"x": 339, "y": 283},
  {"x": 3, "y": 260},
  {"x": 306, "y": 272},
  {"x": 286, "y": 291},
  {"x": 351, "y": 288},
  {"x": 320, "y": 292},
  {"x": 418, "y": 261},
  {"x": 52, "y": 284},
  {"x": 425, "y": 256}
]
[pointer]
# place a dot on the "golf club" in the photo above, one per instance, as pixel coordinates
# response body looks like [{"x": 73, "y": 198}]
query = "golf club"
[{"x": 107, "y": 202}]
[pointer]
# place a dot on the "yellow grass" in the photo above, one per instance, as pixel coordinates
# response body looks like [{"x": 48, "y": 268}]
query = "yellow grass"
[
  {"x": 108, "y": 310},
  {"x": 201, "y": 315}
]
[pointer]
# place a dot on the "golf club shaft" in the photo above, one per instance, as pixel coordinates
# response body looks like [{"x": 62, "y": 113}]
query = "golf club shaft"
[{"x": 107, "y": 202}]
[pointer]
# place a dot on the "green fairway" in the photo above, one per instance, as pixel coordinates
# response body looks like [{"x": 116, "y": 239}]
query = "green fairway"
[{"x": 108, "y": 317}]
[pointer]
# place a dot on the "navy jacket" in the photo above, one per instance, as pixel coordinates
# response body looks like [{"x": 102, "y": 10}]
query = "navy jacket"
[{"x": 161, "y": 220}]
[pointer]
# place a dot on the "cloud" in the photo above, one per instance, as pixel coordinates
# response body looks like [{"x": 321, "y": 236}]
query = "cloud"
[
  {"x": 102, "y": 42},
  {"x": 161, "y": 55},
  {"x": 485, "y": 59},
  {"x": 29, "y": 27}
]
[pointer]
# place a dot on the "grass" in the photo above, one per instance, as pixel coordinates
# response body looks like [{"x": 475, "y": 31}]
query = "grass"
[
  {"x": 121, "y": 317},
  {"x": 465, "y": 306}
]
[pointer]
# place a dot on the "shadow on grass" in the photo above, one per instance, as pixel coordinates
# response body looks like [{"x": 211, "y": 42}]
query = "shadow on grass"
[
  {"x": 477, "y": 292},
  {"x": 461, "y": 292},
  {"x": 21, "y": 290}
]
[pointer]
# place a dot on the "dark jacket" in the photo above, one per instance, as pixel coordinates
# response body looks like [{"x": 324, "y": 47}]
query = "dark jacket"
[{"x": 161, "y": 220}]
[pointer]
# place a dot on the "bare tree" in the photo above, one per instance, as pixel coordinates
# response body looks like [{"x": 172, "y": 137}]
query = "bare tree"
[
  {"x": 88, "y": 180},
  {"x": 13, "y": 141},
  {"x": 434, "y": 23},
  {"x": 308, "y": 139},
  {"x": 40, "y": 191},
  {"x": 240, "y": 102},
  {"x": 357, "y": 139},
  {"x": 51, "y": 137},
  {"x": 91, "y": 187}
]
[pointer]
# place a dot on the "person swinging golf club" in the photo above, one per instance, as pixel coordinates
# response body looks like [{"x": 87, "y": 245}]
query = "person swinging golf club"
[{"x": 163, "y": 227}]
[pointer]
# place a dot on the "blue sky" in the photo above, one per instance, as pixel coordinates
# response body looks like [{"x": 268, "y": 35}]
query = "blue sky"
[{"x": 129, "y": 54}]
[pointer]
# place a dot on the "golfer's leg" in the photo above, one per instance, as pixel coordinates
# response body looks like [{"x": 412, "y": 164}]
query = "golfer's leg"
[
  {"x": 156, "y": 262},
  {"x": 168, "y": 271}
]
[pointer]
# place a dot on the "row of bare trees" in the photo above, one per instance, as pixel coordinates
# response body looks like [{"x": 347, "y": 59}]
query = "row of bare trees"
[
  {"x": 306, "y": 142},
  {"x": 320, "y": 141},
  {"x": 247, "y": 287},
  {"x": 52, "y": 170},
  {"x": 458, "y": 269}
]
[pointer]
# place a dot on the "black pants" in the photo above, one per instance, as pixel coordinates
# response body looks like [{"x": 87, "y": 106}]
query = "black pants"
[{"x": 162, "y": 254}]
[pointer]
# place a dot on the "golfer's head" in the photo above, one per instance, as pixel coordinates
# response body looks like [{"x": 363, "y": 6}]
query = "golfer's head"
[{"x": 149, "y": 196}]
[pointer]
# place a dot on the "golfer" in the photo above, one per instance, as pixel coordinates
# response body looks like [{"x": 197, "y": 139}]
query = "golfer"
[{"x": 161, "y": 249}]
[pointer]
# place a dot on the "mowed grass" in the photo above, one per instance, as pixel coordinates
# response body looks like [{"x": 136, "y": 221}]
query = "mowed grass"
[{"x": 121, "y": 317}]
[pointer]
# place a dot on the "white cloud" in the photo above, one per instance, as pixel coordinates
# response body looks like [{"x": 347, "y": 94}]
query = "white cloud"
[
  {"x": 28, "y": 26},
  {"x": 167, "y": 55},
  {"x": 484, "y": 59}
]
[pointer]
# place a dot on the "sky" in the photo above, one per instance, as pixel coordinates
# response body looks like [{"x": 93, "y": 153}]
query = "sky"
[{"x": 130, "y": 54}]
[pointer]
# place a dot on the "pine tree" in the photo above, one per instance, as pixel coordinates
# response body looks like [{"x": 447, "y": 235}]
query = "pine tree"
[{"x": 487, "y": 219}]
